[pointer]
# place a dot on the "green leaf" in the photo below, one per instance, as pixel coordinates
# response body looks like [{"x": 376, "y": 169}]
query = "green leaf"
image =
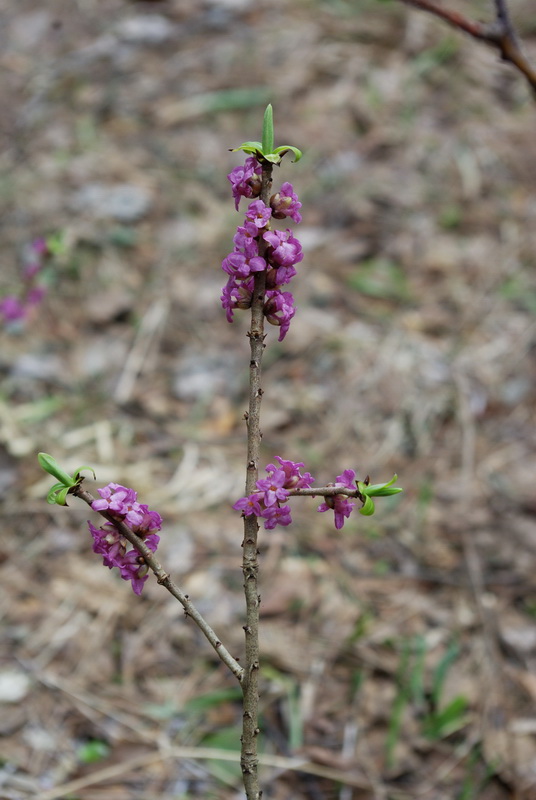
[
  {"x": 58, "y": 493},
  {"x": 61, "y": 496},
  {"x": 56, "y": 243},
  {"x": 76, "y": 473},
  {"x": 252, "y": 151},
  {"x": 51, "y": 496},
  {"x": 250, "y": 145},
  {"x": 93, "y": 751},
  {"x": 380, "y": 278},
  {"x": 379, "y": 489},
  {"x": 51, "y": 466},
  {"x": 268, "y": 130},
  {"x": 224, "y": 739},
  {"x": 368, "y": 509},
  {"x": 272, "y": 158},
  {"x": 123, "y": 236},
  {"x": 161, "y": 711},
  {"x": 289, "y": 148},
  {"x": 448, "y": 720},
  {"x": 440, "y": 672},
  {"x": 211, "y": 699}
]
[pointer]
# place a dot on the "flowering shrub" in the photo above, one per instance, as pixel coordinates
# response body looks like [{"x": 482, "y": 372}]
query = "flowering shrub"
[
  {"x": 17, "y": 307},
  {"x": 263, "y": 260}
]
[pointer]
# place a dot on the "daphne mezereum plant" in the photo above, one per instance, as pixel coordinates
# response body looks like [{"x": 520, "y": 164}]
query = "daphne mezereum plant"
[
  {"x": 262, "y": 262},
  {"x": 15, "y": 308}
]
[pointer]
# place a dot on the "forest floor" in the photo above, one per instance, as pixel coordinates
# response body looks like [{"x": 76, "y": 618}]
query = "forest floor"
[{"x": 399, "y": 653}]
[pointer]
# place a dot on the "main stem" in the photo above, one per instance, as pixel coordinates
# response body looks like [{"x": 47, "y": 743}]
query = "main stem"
[{"x": 250, "y": 562}]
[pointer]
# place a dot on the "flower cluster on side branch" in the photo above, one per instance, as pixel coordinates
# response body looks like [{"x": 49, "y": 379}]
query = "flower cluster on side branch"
[
  {"x": 274, "y": 490},
  {"x": 122, "y": 503},
  {"x": 286, "y": 480}
]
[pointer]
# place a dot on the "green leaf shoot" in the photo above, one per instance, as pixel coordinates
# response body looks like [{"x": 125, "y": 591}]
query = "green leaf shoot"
[{"x": 268, "y": 130}]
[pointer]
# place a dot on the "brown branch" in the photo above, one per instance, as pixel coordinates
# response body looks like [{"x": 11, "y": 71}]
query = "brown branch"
[
  {"x": 325, "y": 491},
  {"x": 250, "y": 563},
  {"x": 163, "y": 578},
  {"x": 499, "y": 34}
]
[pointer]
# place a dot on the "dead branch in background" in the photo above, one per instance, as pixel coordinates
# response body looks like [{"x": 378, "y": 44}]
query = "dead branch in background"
[{"x": 499, "y": 34}]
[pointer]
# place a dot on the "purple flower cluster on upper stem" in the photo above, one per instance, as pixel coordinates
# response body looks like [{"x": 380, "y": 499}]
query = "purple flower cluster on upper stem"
[
  {"x": 15, "y": 308},
  {"x": 281, "y": 250},
  {"x": 108, "y": 541},
  {"x": 275, "y": 489}
]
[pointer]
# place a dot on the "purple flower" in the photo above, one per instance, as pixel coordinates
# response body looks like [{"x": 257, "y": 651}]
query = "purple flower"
[
  {"x": 279, "y": 310},
  {"x": 229, "y": 298},
  {"x": 285, "y": 203},
  {"x": 109, "y": 543},
  {"x": 284, "y": 249},
  {"x": 19, "y": 307},
  {"x": 258, "y": 213},
  {"x": 246, "y": 180},
  {"x": 236, "y": 295},
  {"x": 241, "y": 266},
  {"x": 151, "y": 521},
  {"x": 35, "y": 295},
  {"x": 134, "y": 569},
  {"x": 115, "y": 499},
  {"x": 132, "y": 565},
  {"x": 346, "y": 479},
  {"x": 276, "y": 515},
  {"x": 249, "y": 505},
  {"x": 12, "y": 309},
  {"x": 273, "y": 487},
  {"x": 245, "y": 238},
  {"x": 40, "y": 246},
  {"x": 339, "y": 503},
  {"x": 293, "y": 478},
  {"x": 278, "y": 277}
]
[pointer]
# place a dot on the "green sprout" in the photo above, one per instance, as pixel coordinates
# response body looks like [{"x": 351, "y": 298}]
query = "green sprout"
[
  {"x": 265, "y": 151},
  {"x": 367, "y": 490},
  {"x": 67, "y": 483}
]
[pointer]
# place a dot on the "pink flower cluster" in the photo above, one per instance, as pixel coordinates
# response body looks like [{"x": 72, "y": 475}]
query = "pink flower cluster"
[
  {"x": 281, "y": 250},
  {"x": 108, "y": 541},
  {"x": 14, "y": 308},
  {"x": 275, "y": 489}
]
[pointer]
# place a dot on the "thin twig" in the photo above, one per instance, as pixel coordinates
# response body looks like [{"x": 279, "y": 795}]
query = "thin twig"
[
  {"x": 162, "y": 576},
  {"x": 325, "y": 491},
  {"x": 499, "y": 34},
  {"x": 250, "y": 563}
]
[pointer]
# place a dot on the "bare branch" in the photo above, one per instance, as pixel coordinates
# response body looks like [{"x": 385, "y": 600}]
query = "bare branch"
[{"x": 499, "y": 34}]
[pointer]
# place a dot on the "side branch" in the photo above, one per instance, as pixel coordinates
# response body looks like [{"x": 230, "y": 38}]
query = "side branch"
[
  {"x": 163, "y": 578},
  {"x": 499, "y": 34},
  {"x": 325, "y": 491}
]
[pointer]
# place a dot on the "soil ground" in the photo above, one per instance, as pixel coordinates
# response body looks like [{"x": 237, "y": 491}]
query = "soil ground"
[{"x": 398, "y": 654}]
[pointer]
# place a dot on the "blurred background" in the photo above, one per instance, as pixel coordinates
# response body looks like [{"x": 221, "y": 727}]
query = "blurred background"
[{"x": 398, "y": 654}]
